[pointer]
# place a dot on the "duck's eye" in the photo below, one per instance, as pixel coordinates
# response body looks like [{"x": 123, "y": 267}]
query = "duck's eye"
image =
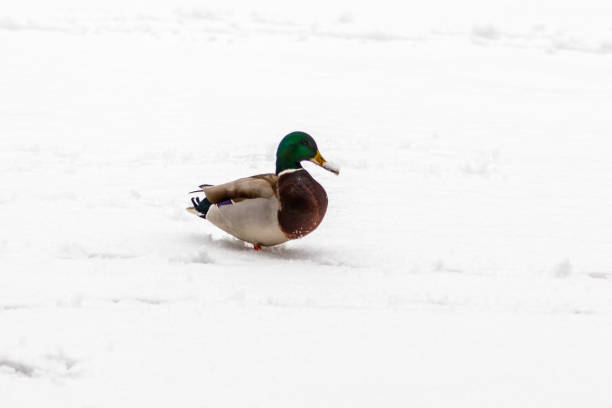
[{"x": 304, "y": 143}]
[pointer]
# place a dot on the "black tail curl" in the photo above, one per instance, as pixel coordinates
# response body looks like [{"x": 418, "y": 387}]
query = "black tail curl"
[{"x": 201, "y": 206}]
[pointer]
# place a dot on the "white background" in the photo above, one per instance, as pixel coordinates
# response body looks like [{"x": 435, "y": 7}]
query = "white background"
[{"x": 465, "y": 256}]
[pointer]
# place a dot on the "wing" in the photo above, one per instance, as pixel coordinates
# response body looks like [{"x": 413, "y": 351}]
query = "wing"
[{"x": 259, "y": 186}]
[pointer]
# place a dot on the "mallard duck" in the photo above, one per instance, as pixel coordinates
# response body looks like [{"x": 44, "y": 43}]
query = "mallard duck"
[{"x": 269, "y": 209}]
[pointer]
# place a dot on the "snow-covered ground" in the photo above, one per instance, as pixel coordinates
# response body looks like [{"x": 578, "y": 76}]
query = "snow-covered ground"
[{"x": 465, "y": 257}]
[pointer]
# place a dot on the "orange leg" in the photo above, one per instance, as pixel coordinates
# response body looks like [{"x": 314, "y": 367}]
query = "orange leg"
[{"x": 257, "y": 247}]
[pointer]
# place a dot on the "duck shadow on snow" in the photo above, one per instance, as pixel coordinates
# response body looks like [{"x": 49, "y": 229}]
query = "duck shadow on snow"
[{"x": 281, "y": 252}]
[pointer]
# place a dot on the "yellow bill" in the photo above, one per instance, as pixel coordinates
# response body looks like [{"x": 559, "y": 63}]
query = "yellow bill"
[{"x": 318, "y": 159}]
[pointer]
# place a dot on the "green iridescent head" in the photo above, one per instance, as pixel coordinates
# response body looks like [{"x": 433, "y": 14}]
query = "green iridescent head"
[{"x": 297, "y": 147}]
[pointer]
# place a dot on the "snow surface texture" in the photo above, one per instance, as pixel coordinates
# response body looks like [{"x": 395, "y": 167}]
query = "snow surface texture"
[{"x": 465, "y": 257}]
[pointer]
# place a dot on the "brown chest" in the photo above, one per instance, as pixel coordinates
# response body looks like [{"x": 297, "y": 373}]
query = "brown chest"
[{"x": 303, "y": 203}]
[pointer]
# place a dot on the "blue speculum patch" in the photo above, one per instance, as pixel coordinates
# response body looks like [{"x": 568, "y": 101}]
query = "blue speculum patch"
[{"x": 226, "y": 202}]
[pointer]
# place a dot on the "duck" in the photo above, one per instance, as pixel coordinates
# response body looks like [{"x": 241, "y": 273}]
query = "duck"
[{"x": 270, "y": 209}]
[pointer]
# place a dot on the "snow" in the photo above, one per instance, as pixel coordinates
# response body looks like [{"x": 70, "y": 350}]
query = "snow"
[{"x": 464, "y": 259}]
